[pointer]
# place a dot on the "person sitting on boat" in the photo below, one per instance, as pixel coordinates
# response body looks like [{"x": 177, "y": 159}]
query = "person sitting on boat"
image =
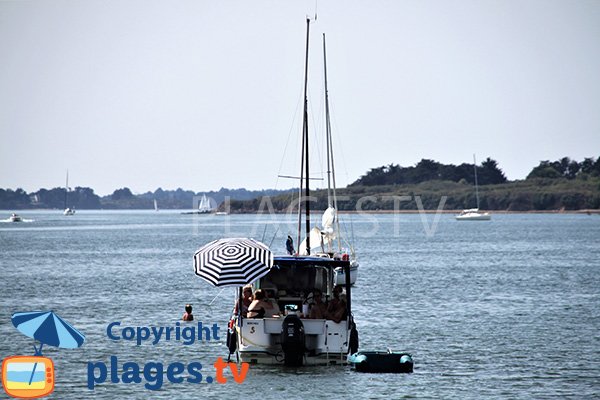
[
  {"x": 272, "y": 301},
  {"x": 260, "y": 307},
  {"x": 188, "y": 316},
  {"x": 246, "y": 300},
  {"x": 318, "y": 309},
  {"x": 336, "y": 309}
]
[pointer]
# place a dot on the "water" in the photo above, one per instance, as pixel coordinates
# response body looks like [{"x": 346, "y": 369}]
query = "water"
[{"x": 504, "y": 309}]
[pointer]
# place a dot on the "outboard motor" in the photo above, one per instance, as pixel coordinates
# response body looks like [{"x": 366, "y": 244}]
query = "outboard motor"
[{"x": 292, "y": 341}]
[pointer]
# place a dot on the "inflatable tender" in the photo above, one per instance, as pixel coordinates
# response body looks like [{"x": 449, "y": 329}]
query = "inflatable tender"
[{"x": 379, "y": 361}]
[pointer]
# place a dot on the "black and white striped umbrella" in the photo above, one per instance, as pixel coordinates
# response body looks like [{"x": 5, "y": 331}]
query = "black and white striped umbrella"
[{"x": 232, "y": 262}]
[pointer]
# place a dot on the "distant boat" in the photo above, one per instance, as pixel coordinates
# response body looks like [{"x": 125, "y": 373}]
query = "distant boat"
[
  {"x": 15, "y": 218},
  {"x": 155, "y": 205},
  {"x": 473, "y": 214},
  {"x": 68, "y": 210},
  {"x": 203, "y": 207}
]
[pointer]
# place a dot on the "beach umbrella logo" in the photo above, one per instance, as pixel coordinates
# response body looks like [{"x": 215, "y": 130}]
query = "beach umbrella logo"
[{"x": 33, "y": 376}]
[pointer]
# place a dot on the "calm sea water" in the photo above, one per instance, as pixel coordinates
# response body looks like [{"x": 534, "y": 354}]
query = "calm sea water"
[{"x": 504, "y": 309}]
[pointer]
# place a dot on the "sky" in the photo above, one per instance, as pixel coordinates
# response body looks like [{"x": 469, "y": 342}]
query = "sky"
[{"x": 208, "y": 94}]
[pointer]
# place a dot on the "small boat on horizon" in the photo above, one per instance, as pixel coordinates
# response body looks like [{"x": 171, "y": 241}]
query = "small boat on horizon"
[
  {"x": 68, "y": 210},
  {"x": 15, "y": 218},
  {"x": 473, "y": 214},
  {"x": 203, "y": 207}
]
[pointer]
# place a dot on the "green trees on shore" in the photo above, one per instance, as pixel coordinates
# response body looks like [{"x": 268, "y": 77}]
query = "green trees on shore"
[
  {"x": 566, "y": 168},
  {"x": 551, "y": 185},
  {"x": 488, "y": 173}
]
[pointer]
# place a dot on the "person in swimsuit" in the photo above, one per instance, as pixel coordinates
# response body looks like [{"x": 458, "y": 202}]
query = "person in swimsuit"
[
  {"x": 259, "y": 307},
  {"x": 188, "y": 316}
]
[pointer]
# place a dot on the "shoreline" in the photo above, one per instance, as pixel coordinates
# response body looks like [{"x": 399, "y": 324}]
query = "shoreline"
[{"x": 318, "y": 212}]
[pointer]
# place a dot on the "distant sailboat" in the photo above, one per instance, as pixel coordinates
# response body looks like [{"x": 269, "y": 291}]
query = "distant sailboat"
[
  {"x": 68, "y": 210},
  {"x": 155, "y": 205},
  {"x": 203, "y": 207},
  {"x": 473, "y": 214}
]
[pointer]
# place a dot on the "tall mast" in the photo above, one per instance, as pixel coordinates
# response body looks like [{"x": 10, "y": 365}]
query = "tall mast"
[
  {"x": 330, "y": 163},
  {"x": 305, "y": 141},
  {"x": 476, "y": 186},
  {"x": 66, "y": 189},
  {"x": 327, "y": 125}
]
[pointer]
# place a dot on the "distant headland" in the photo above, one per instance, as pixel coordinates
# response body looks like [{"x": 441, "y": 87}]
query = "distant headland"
[{"x": 564, "y": 184}]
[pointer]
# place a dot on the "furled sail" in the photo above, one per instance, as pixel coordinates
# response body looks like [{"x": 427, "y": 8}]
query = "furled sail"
[
  {"x": 328, "y": 222},
  {"x": 316, "y": 242}
]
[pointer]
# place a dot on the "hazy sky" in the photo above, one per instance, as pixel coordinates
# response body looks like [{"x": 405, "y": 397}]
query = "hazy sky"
[{"x": 206, "y": 94}]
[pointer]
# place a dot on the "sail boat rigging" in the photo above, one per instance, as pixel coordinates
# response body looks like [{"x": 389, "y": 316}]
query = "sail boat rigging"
[{"x": 300, "y": 335}]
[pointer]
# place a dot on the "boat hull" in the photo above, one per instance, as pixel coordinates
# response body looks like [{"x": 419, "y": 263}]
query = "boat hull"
[
  {"x": 259, "y": 341},
  {"x": 474, "y": 216},
  {"x": 340, "y": 275}
]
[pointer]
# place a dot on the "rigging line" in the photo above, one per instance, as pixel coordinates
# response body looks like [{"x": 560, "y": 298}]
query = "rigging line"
[
  {"x": 218, "y": 294},
  {"x": 274, "y": 235},
  {"x": 339, "y": 146},
  {"x": 317, "y": 138},
  {"x": 290, "y": 131}
]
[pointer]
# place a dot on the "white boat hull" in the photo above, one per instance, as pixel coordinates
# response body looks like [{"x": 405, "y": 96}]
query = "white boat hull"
[
  {"x": 340, "y": 275},
  {"x": 259, "y": 341},
  {"x": 474, "y": 217}
]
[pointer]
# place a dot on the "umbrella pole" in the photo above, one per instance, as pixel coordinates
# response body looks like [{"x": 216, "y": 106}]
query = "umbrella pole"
[
  {"x": 37, "y": 352},
  {"x": 240, "y": 305}
]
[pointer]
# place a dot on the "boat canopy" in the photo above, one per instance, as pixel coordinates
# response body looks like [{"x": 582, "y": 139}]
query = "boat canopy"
[{"x": 308, "y": 261}]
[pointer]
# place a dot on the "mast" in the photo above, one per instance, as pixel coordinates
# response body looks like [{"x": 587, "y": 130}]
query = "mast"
[
  {"x": 330, "y": 163},
  {"x": 66, "y": 189},
  {"x": 305, "y": 142},
  {"x": 327, "y": 125},
  {"x": 476, "y": 186}
]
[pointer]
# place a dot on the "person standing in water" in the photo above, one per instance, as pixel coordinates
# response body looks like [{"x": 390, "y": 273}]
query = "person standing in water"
[{"x": 188, "y": 316}]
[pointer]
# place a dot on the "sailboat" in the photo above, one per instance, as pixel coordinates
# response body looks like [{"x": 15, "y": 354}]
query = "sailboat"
[
  {"x": 203, "y": 207},
  {"x": 68, "y": 210},
  {"x": 304, "y": 334},
  {"x": 473, "y": 214},
  {"x": 323, "y": 239},
  {"x": 155, "y": 205}
]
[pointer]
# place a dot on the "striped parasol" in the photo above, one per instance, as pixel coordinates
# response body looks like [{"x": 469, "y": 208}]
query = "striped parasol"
[{"x": 232, "y": 262}]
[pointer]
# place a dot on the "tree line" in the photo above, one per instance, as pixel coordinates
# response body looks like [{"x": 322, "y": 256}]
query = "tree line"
[
  {"x": 564, "y": 183},
  {"x": 83, "y": 198},
  {"x": 488, "y": 173}
]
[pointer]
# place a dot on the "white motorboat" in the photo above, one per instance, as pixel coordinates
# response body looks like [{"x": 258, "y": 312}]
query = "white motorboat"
[
  {"x": 293, "y": 338},
  {"x": 285, "y": 334},
  {"x": 473, "y": 214},
  {"x": 15, "y": 218}
]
